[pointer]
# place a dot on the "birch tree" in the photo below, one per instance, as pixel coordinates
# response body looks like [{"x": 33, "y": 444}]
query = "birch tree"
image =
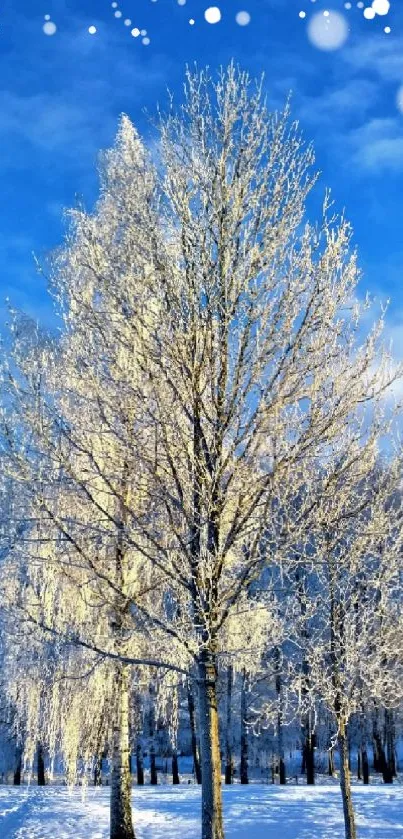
[
  {"x": 212, "y": 356},
  {"x": 355, "y": 652}
]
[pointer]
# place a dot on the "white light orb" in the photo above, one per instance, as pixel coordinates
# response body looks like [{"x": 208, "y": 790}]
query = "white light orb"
[
  {"x": 381, "y": 7},
  {"x": 49, "y": 28},
  {"x": 135, "y": 32},
  {"x": 387, "y": 30},
  {"x": 191, "y": 21},
  {"x": 302, "y": 14},
  {"x": 242, "y": 18},
  {"x": 212, "y": 14},
  {"x": 369, "y": 13},
  {"x": 328, "y": 32},
  {"x": 127, "y": 22},
  {"x": 92, "y": 30},
  {"x": 145, "y": 41}
]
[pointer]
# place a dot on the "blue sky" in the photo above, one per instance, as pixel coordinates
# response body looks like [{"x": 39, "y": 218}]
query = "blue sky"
[{"x": 62, "y": 95}]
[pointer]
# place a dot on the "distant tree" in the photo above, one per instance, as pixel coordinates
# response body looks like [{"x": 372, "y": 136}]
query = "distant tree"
[{"x": 356, "y": 644}]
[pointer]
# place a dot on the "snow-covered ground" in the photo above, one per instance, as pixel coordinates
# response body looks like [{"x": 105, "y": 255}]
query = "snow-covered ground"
[{"x": 254, "y": 812}]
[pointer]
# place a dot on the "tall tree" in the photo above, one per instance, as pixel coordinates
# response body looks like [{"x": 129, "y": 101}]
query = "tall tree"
[{"x": 209, "y": 361}]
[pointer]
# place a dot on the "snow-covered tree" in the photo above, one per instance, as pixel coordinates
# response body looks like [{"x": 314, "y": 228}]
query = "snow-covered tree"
[
  {"x": 354, "y": 647},
  {"x": 210, "y": 360}
]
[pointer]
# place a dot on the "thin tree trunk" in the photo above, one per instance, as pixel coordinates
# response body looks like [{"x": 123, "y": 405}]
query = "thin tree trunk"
[
  {"x": 309, "y": 748},
  {"x": 337, "y": 651},
  {"x": 41, "y": 766},
  {"x": 244, "y": 767},
  {"x": 345, "y": 782},
  {"x": 229, "y": 766},
  {"x": 379, "y": 753},
  {"x": 363, "y": 749},
  {"x": 330, "y": 762},
  {"x": 153, "y": 767},
  {"x": 139, "y": 765},
  {"x": 390, "y": 745},
  {"x": 175, "y": 768},
  {"x": 121, "y": 826},
  {"x": 365, "y": 765},
  {"x": 192, "y": 723},
  {"x": 97, "y": 771},
  {"x": 212, "y": 818},
  {"x": 18, "y": 769},
  {"x": 280, "y": 732}
]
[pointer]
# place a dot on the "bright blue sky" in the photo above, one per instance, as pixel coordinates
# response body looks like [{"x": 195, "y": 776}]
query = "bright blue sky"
[{"x": 61, "y": 97}]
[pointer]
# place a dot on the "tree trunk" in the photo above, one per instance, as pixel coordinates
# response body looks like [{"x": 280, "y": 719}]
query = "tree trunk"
[
  {"x": 18, "y": 769},
  {"x": 358, "y": 765},
  {"x": 121, "y": 826},
  {"x": 380, "y": 762},
  {"x": 363, "y": 748},
  {"x": 390, "y": 746},
  {"x": 309, "y": 753},
  {"x": 139, "y": 765},
  {"x": 345, "y": 782},
  {"x": 97, "y": 771},
  {"x": 280, "y": 733},
  {"x": 212, "y": 819},
  {"x": 153, "y": 768},
  {"x": 192, "y": 723},
  {"x": 175, "y": 768},
  {"x": 244, "y": 767},
  {"x": 280, "y": 746},
  {"x": 330, "y": 762},
  {"x": 229, "y": 767},
  {"x": 41, "y": 766},
  {"x": 365, "y": 765}
]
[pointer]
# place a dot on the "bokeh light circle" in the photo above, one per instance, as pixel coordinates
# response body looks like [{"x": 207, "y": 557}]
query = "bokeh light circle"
[
  {"x": 329, "y": 31},
  {"x": 242, "y": 18},
  {"x": 212, "y": 14},
  {"x": 49, "y": 27}
]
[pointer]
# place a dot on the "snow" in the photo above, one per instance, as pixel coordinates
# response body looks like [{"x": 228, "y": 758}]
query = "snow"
[{"x": 164, "y": 812}]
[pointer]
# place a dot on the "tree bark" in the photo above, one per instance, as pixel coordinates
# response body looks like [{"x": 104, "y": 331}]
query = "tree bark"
[
  {"x": 153, "y": 767},
  {"x": 192, "y": 723},
  {"x": 139, "y": 765},
  {"x": 365, "y": 765},
  {"x": 330, "y": 762},
  {"x": 229, "y": 766},
  {"x": 18, "y": 769},
  {"x": 121, "y": 826},
  {"x": 390, "y": 746},
  {"x": 175, "y": 768},
  {"x": 41, "y": 766},
  {"x": 97, "y": 771},
  {"x": 308, "y": 752},
  {"x": 345, "y": 782},
  {"x": 244, "y": 767},
  {"x": 280, "y": 733},
  {"x": 212, "y": 817}
]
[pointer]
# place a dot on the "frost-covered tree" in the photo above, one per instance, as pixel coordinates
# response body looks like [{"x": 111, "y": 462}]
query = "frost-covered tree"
[
  {"x": 210, "y": 360},
  {"x": 354, "y": 648}
]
